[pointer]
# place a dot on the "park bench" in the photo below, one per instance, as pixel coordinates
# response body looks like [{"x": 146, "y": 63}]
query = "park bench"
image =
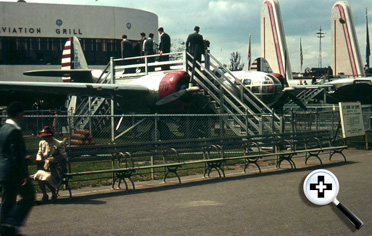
[
  {"x": 310, "y": 143},
  {"x": 206, "y": 151},
  {"x": 125, "y": 158},
  {"x": 130, "y": 158}
]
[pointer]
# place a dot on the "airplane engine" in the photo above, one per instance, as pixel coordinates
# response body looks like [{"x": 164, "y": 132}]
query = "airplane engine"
[
  {"x": 172, "y": 82},
  {"x": 168, "y": 87}
]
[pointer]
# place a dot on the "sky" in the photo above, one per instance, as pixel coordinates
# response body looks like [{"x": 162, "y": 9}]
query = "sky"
[{"x": 227, "y": 24}]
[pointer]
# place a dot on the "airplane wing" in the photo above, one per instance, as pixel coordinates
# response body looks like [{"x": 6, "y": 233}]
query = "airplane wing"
[
  {"x": 302, "y": 87},
  {"x": 58, "y": 72},
  {"x": 89, "y": 89}
]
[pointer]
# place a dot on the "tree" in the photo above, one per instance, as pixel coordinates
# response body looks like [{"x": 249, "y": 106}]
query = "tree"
[{"x": 235, "y": 64}]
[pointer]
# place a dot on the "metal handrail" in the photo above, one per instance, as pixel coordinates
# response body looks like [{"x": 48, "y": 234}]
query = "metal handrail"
[{"x": 239, "y": 101}]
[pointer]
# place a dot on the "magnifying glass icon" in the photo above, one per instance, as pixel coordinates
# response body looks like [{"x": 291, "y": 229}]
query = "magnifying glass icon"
[{"x": 321, "y": 187}]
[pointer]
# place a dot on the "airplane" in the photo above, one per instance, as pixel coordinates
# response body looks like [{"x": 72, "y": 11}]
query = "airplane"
[
  {"x": 162, "y": 92},
  {"x": 275, "y": 80},
  {"x": 159, "y": 91},
  {"x": 136, "y": 94},
  {"x": 346, "y": 57},
  {"x": 166, "y": 91}
]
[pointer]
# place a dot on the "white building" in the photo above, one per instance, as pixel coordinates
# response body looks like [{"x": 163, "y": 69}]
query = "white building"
[{"x": 32, "y": 35}]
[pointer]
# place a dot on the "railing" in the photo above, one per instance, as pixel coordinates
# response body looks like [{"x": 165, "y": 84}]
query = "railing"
[
  {"x": 235, "y": 98},
  {"x": 177, "y": 61}
]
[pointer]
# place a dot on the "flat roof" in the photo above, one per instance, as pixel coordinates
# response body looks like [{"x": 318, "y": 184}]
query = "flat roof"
[{"x": 19, "y": 19}]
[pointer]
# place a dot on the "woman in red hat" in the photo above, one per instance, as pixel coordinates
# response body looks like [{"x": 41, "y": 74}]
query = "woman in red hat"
[{"x": 52, "y": 157}]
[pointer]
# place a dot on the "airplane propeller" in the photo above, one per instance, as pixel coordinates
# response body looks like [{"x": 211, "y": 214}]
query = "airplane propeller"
[
  {"x": 175, "y": 96},
  {"x": 295, "y": 99},
  {"x": 172, "y": 97}
]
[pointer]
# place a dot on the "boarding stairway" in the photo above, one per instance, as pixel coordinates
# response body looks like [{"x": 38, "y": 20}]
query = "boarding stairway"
[
  {"x": 93, "y": 111},
  {"x": 305, "y": 96},
  {"x": 247, "y": 114}
]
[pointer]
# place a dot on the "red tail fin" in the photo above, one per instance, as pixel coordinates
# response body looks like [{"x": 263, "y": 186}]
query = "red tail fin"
[{"x": 66, "y": 59}]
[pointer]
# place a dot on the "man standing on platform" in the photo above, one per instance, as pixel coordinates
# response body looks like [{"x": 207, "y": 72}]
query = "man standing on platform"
[
  {"x": 127, "y": 51},
  {"x": 148, "y": 48},
  {"x": 164, "y": 47},
  {"x": 195, "y": 45}
]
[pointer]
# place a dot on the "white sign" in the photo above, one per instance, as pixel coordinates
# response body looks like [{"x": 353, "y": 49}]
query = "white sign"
[
  {"x": 367, "y": 119},
  {"x": 351, "y": 119}
]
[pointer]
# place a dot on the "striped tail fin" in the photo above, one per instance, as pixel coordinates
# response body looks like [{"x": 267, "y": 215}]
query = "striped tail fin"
[
  {"x": 273, "y": 43},
  {"x": 66, "y": 59},
  {"x": 346, "y": 58},
  {"x": 79, "y": 61},
  {"x": 260, "y": 64},
  {"x": 74, "y": 67}
]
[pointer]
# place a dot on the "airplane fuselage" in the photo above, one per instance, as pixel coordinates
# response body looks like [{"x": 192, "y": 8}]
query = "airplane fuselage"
[{"x": 265, "y": 86}]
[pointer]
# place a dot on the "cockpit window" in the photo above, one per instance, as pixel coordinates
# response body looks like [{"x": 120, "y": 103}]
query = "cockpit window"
[{"x": 247, "y": 82}]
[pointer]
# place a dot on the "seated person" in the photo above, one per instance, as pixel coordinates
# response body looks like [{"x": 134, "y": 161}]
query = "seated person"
[{"x": 51, "y": 159}]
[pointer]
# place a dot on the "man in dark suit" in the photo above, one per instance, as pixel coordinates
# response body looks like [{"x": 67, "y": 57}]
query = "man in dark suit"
[
  {"x": 14, "y": 176},
  {"x": 195, "y": 45},
  {"x": 142, "y": 40},
  {"x": 127, "y": 51},
  {"x": 164, "y": 47}
]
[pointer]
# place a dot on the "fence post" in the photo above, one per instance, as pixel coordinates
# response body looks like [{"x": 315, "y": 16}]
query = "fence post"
[
  {"x": 156, "y": 135},
  {"x": 316, "y": 119},
  {"x": 222, "y": 126},
  {"x": 333, "y": 120},
  {"x": 292, "y": 121},
  {"x": 155, "y": 139},
  {"x": 246, "y": 123},
  {"x": 184, "y": 63},
  {"x": 272, "y": 121},
  {"x": 222, "y": 104},
  {"x": 282, "y": 124},
  {"x": 187, "y": 130},
  {"x": 261, "y": 126},
  {"x": 70, "y": 125},
  {"x": 90, "y": 115},
  {"x": 112, "y": 71}
]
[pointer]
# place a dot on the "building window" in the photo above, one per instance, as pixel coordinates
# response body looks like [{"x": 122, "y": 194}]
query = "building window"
[{"x": 48, "y": 51}]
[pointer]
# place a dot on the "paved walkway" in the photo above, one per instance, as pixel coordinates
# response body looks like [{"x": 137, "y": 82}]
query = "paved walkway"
[{"x": 271, "y": 203}]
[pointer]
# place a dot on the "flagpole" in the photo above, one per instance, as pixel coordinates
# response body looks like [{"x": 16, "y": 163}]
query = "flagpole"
[
  {"x": 249, "y": 54},
  {"x": 368, "y": 50},
  {"x": 301, "y": 55}
]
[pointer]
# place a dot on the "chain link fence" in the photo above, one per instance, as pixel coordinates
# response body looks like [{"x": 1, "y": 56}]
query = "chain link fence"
[
  {"x": 325, "y": 118},
  {"x": 106, "y": 129}
]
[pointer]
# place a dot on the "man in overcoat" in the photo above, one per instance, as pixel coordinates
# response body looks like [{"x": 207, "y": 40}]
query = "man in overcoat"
[
  {"x": 14, "y": 177},
  {"x": 195, "y": 44},
  {"x": 164, "y": 46}
]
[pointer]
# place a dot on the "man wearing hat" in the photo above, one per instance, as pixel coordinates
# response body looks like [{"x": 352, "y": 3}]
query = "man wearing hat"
[{"x": 51, "y": 159}]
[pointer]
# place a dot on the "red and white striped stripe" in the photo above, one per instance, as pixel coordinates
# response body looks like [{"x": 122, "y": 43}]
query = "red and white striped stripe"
[
  {"x": 66, "y": 59},
  {"x": 254, "y": 65}
]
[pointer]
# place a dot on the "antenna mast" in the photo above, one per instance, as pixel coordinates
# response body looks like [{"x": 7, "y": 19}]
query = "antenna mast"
[{"x": 320, "y": 36}]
